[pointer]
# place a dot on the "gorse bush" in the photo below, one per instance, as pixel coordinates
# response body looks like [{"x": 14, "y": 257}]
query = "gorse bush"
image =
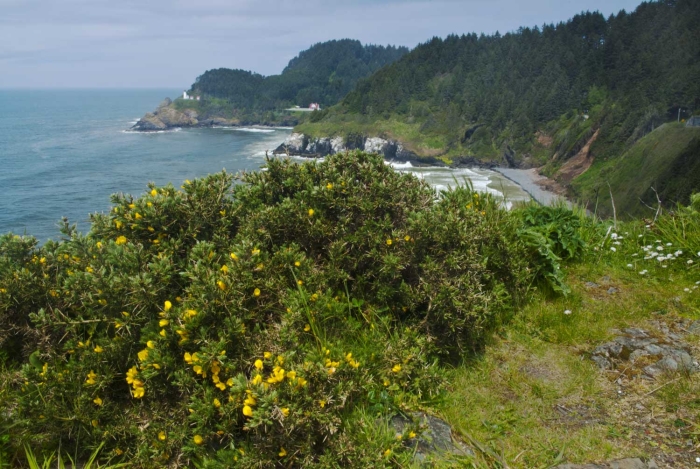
[{"x": 264, "y": 323}]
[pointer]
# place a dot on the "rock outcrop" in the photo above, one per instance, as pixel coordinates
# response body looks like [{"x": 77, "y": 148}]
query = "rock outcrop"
[
  {"x": 166, "y": 117},
  {"x": 651, "y": 353},
  {"x": 298, "y": 144}
]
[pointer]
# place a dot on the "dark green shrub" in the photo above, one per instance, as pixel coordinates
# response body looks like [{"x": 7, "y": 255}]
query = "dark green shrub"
[{"x": 253, "y": 325}]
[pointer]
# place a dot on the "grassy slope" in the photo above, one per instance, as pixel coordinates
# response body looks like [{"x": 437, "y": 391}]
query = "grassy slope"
[
  {"x": 534, "y": 399},
  {"x": 667, "y": 159}
]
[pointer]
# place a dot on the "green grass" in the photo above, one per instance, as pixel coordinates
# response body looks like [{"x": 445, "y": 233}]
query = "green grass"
[
  {"x": 666, "y": 159},
  {"x": 533, "y": 399}
]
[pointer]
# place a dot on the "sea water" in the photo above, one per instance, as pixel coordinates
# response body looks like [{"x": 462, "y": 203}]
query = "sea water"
[{"x": 64, "y": 152}]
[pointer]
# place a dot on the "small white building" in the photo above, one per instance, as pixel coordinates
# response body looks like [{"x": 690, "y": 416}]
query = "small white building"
[{"x": 315, "y": 107}]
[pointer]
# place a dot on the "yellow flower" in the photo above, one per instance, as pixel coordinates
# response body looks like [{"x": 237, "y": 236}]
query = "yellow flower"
[
  {"x": 307, "y": 328},
  {"x": 163, "y": 322},
  {"x": 221, "y": 285},
  {"x": 102, "y": 301},
  {"x": 322, "y": 403},
  {"x": 91, "y": 378},
  {"x": 197, "y": 369},
  {"x": 118, "y": 451},
  {"x": 143, "y": 354},
  {"x": 297, "y": 263},
  {"x": 259, "y": 364},
  {"x": 154, "y": 192},
  {"x": 97, "y": 401},
  {"x": 217, "y": 403},
  {"x": 396, "y": 368},
  {"x": 121, "y": 240},
  {"x": 221, "y": 386},
  {"x": 311, "y": 212},
  {"x": 247, "y": 411},
  {"x": 285, "y": 411},
  {"x": 407, "y": 238},
  {"x": 190, "y": 313},
  {"x": 257, "y": 379},
  {"x": 138, "y": 216},
  {"x": 387, "y": 453},
  {"x": 282, "y": 453},
  {"x": 131, "y": 375},
  {"x": 167, "y": 305},
  {"x": 250, "y": 400},
  {"x": 98, "y": 349},
  {"x": 291, "y": 375},
  {"x": 139, "y": 392},
  {"x": 94, "y": 423},
  {"x": 388, "y": 242},
  {"x": 255, "y": 252},
  {"x": 256, "y": 292},
  {"x": 329, "y": 186},
  {"x": 118, "y": 224},
  {"x": 267, "y": 355},
  {"x": 188, "y": 358},
  {"x": 412, "y": 435},
  {"x": 198, "y": 440},
  {"x": 132, "y": 206},
  {"x": 300, "y": 282},
  {"x": 162, "y": 436},
  {"x": 224, "y": 268},
  {"x": 234, "y": 256}
]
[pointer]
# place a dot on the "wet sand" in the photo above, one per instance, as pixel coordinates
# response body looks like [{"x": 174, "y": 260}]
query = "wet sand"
[{"x": 527, "y": 179}]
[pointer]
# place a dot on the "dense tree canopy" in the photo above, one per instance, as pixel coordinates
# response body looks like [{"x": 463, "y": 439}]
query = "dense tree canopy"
[
  {"x": 630, "y": 72},
  {"x": 323, "y": 73}
]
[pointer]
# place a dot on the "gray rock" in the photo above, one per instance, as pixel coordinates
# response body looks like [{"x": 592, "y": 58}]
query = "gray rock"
[
  {"x": 694, "y": 328},
  {"x": 591, "y": 285},
  {"x": 653, "y": 349},
  {"x": 612, "y": 290},
  {"x": 602, "y": 362},
  {"x": 634, "y": 332},
  {"x": 664, "y": 365},
  {"x": 435, "y": 436},
  {"x": 629, "y": 463}
]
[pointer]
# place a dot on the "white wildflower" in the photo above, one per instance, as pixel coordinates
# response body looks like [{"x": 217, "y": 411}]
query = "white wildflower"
[
  {"x": 639, "y": 236},
  {"x": 613, "y": 249},
  {"x": 664, "y": 266},
  {"x": 690, "y": 261},
  {"x": 567, "y": 312},
  {"x": 617, "y": 243},
  {"x": 643, "y": 272},
  {"x": 630, "y": 266},
  {"x": 659, "y": 248},
  {"x": 669, "y": 244}
]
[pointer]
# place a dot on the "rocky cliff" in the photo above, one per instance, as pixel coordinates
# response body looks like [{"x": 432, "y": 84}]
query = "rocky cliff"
[
  {"x": 299, "y": 144},
  {"x": 166, "y": 116}
]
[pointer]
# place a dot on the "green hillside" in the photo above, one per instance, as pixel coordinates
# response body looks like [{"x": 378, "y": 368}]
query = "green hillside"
[
  {"x": 324, "y": 73},
  {"x": 666, "y": 160},
  {"x": 535, "y": 95}
]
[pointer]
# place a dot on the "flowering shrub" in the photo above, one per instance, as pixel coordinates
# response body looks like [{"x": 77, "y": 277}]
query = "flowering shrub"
[{"x": 265, "y": 323}]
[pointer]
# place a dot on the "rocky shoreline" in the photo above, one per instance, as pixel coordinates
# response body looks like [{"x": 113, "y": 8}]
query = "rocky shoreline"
[{"x": 298, "y": 144}]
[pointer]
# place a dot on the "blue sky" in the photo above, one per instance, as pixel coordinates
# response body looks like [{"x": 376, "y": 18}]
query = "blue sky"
[{"x": 167, "y": 44}]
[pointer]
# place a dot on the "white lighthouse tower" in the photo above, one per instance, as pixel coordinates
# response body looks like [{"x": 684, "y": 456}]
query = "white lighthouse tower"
[{"x": 184, "y": 95}]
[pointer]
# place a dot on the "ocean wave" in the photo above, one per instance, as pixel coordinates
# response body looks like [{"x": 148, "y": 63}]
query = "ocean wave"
[
  {"x": 244, "y": 129},
  {"x": 150, "y": 132},
  {"x": 397, "y": 165}
]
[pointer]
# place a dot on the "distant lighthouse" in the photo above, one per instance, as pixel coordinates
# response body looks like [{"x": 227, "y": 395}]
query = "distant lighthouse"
[{"x": 184, "y": 95}]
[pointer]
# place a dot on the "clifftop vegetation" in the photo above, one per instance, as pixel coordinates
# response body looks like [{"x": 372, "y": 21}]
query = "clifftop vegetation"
[
  {"x": 322, "y": 74},
  {"x": 285, "y": 320},
  {"x": 535, "y": 95}
]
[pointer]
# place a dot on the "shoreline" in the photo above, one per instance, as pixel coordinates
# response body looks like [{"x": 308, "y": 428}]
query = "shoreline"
[{"x": 532, "y": 182}]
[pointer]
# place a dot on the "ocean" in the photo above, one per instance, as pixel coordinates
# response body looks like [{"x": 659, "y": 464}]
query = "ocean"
[{"x": 64, "y": 152}]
